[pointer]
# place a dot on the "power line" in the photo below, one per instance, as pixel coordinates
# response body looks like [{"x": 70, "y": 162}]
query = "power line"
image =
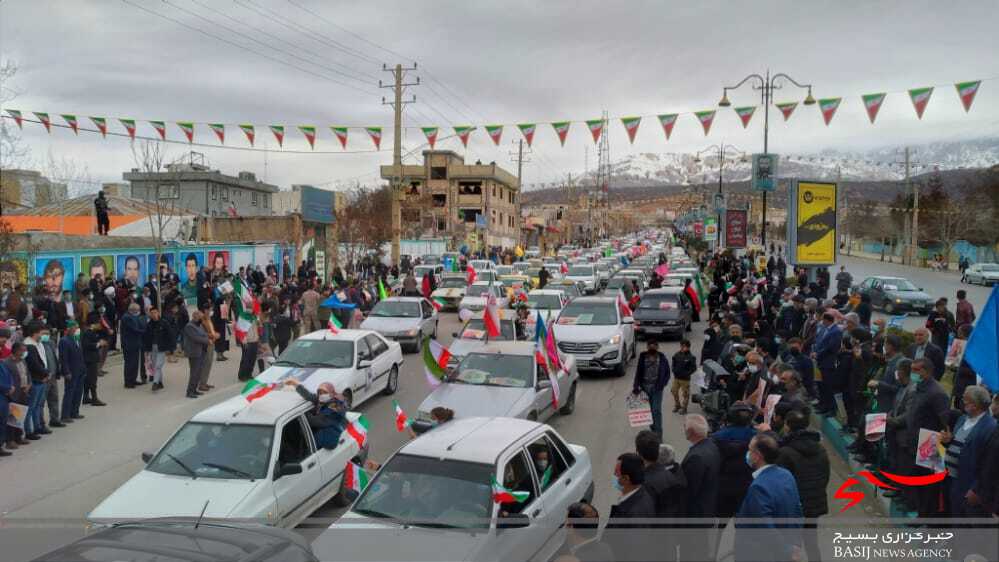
[{"x": 351, "y": 33}]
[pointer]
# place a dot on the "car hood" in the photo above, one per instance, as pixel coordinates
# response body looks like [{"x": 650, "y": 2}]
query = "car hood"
[
  {"x": 452, "y": 293},
  {"x": 478, "y": 400},
  {"x": 151, "y": 494},
  {"x": 462, "y": 347},
  {"x": 389, "y": 324},
  {"x": 909, "y": 295},
  {"x": 354, "y": 537},
  {"x": 568, "y": 332},
  {"x": 657, "y": 314}
]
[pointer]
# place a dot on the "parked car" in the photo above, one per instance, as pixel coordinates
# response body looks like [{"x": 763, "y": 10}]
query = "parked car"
[
  {"x": 586, "y": 274},
  {"x": 501, "y": 379},
  {"x": 482, "y": 265},
  {"x": 981, "y": 273},
  {"x": 433, "y": 497},
  {"x": 594, "y": 330},
  {"x": 664, "y": 312},
  {"x": 896, "y": 294},
  {"x": 571, "y": 289},
  {"x": 403, "y": 319},
  {"x": 515, "y": 286},
  {"x": 450, "y": 290},
  {"x": 620, "y": 285},
  {"x": 473, "y": 336},
  {"x": 434, "y": 269},
  {"x": 477, "y": 293}
]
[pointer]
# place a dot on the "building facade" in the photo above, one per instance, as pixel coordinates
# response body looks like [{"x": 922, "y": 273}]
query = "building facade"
[
  {"x": 29, "y": 189},
  {"x": 475, "y": 203},
  {"x": 204, "y": 191}
]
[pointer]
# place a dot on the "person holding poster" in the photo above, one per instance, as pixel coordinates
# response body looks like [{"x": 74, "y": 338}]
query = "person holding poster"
[
  {"x": 929, "y": 412},
  {"x": 965, "y": 446}
]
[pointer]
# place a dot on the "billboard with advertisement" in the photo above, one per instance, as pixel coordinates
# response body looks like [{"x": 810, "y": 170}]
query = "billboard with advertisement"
[
  {"x": 710, "y": 229},
  {"x": 317, "y": 204},
  {"x": 811, "y": 223},
  {"x": 736, "y": 222},
  {"x": 698, "y": 229}
]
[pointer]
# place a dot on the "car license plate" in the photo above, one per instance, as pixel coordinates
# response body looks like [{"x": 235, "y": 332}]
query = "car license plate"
[{"x": 654, "y": 330}]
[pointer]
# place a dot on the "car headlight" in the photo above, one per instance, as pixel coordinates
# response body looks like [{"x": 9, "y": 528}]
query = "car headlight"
[
  {"x": 898, "y": 301},
  {"x": 412, "y": 333},
  {"x": 613, "y": 340}
]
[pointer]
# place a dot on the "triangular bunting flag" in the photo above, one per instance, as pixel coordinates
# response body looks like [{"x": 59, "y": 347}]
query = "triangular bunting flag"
[
  {"x": 249, "y": 131},
  {"x": 527, "y": 129},
  {"x": 129, "y": 125},
  {"x": 872, "y": 103},
  {"x": 341, "y": 134},
  {"x": 787, "y": 108},
  {"x": 431, "y": 134},
  {"x": 745, "y": 114},
  {"x": 278, "y": 131},
  {"x": 706, "y": 118},
  {"x": 310, "y": 134},
  {"x": 667, "y": 120},
  {"x": 967, "y": 91},
  {"x": 920, "y": 97},
  {"x": 562, "y": 130},
  {"x": 17, "y": 117},
  {"x": 44, "y": 118},
  {"x": 828, "y": 107},
  {"x": 219, "y": 130},
  {"x": 101, "y": 124},
  {"x": 631, "y": 126},
  {"x": 596, "y": 128},
  {"x": 463, "y": 131},
  {"x": 160, "y": 127},
  {"x": 376, "y": 136},
  {"x": 495, "y": 132},
  {"x": 188, "y": 128},
  {"x": 72, "y": 122}
]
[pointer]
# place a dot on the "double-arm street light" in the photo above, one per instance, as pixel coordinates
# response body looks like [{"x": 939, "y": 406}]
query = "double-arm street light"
[
  {"x": 719, "y": 151},
  {"x": 766, "y": 84}
]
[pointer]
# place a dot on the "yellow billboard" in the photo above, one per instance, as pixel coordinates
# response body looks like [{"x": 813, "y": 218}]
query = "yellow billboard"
[{"x": 815, "y": 224}]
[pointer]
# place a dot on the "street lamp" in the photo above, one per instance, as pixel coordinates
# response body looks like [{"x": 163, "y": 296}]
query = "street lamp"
[
  {"x": 766, "y": 85},
  {"x": 719, "y": 150}
]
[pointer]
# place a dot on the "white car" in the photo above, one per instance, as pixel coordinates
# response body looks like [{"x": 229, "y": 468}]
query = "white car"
[
  {"x": 406, "y": 320},
  {"x": 238, "y": 460},
  {"x": 984, "y": 273},
  {"x": 433, "y": 499},
  {"x": 477, "y": 293},
  {"x": 594, "y": 330},
  {"x": 587, "y": 274},
  {"x": 482, "y": 265},
  {"x": 675, "y": 279},
  {"x": 473, "y": 336},
  {"x": 359, "y": 363},
  {"x": 450, "y": 290},
  {"x": 546, "y": 302},
  {"x": 433, "y": 269}
]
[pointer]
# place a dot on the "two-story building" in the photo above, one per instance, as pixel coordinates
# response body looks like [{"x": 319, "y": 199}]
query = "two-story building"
[{"x": 203, "y": 190}]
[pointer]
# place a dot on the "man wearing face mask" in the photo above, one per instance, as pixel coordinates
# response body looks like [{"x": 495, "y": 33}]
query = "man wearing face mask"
[
  {"x": 802, "y": 364},
  {"x": 701, "y": 467},
  {"x": 714, "y": 342},
  {"x": 773, "y": 495},
  {"x": 634, "y": 502},
  {"x": 923, "y": 347},
  {"x": 984, "y": 493},
  {"x": 828, "y": 340},
  {"x": 965, "y": 444},
  {"x": 929, "y": 410},
  {"x": 651, "y": 376},
  {"x": 802, "y": 453},
  {"x": 327, "y": 417},
  {"x": 898, "y": 435}
]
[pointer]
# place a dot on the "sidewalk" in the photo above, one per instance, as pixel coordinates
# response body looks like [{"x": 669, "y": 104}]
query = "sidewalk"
[{"x": 897, "y": 261}]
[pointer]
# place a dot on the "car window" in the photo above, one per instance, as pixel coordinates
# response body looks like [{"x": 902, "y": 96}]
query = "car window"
[
  {"x": 376, "y": 345},
  {"x": 212, "y": 450},
  {"x": 427, "y": 310},
  {"x": 477, "y": 291},
  {"x": 517, "y": 477},
  {"x": 396, "y": 309},
  {"x": 363, "y": 350},
  {"x": 563, "y": 449},
  {"x": 475, "y": 329},
  {"x": 589, "y": 314},
  {"x": 548, "y": 463},
  {"x": 489, "y": 370},
  {"x": 660, "y": 302},
  {"x": 317, "y": 353},
  {"x": 295, "y": 443},
  {"x": 453, "y": 283}
]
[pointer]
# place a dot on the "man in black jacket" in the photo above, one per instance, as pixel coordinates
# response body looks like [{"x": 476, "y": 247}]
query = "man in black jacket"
[
  {"x": 923, "y": 347},
  {"x": 929, "y": 409},
  {"x": 802, "y": 453},
  {"x": 684, "y": 365},
  {"x": 159, "y": 339},
  {"x": 666, "y": 484},
  {"x": 701, "y": 467},
  {"x": 38, "y": 372},
  {"x": 651, "y": 376},
  {"x": 582, "y": 538},
  {"x": 627, "y": 539}
]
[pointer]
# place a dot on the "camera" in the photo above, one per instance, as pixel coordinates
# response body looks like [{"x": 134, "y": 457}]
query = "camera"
[{"x": 714, "y": 400}]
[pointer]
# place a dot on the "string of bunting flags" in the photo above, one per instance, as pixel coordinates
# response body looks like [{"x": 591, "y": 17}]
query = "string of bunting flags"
[{"x": 920, "y": 98}]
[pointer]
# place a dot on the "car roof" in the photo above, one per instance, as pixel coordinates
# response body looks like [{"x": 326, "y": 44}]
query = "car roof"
[
  {"x": 543, "y": 292},
  {"x": 404, "y": 299},
  {"x": 341, "y": 335},
  {"x": 265, "y": 410},
  {"x": 594, "y": 299},
  {"x": 663, "y": 291},
  {"x": 480, "y": 440},
  {"x": 507, "y": 348}
]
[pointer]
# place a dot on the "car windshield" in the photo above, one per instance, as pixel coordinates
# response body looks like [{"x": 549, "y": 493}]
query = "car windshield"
[
  {"x": 544, "y": 302},
  {"x": 396, "y": 309},
  {"x": 421, "y": 270},
  {"x": 477, "y": 291},
  {"x": 504, "y": 270},
  {"x": 476, "y": 330},
  {"x": 429, "y": 492},
  {"x": 553, "y": 267},
  {"x": 589, "y": 314},
  {"x": 488, "y": 275},
  {"x": 618, "y": 282},
  {"x": 898, "y": 284},
  {"x": 338, "y": 354},
  {"x": 490, "y": 369},
  {"x": 521, "y": 266},
  {"x": 216, "y": 450},
  {"x": 659, "y": 302},
  {"x": 453, "y": 283},
  {"x": 581, "y": 270},
  {"x": 514, "y": 283},
  {"x": 990, "y": 267}
]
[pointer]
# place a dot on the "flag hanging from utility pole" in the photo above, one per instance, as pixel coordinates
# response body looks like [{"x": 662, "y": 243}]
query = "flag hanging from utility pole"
[
  {"x": 160, "y": 127},
  {"x": 129, "y": 125},
  {"x": 828, "y": 107},
  {"x": 72, "y": 122},
  {"x": 431, "y": 134},
  {"x": 376, "y": 136},
  {"x": 787, "y": 109},
  {"x": 463, "y": 132},
  {"x": 249, "y": 131},
  {"x": 278, "y": 131},
  {"x": 188, "y": 128},
  {"x": 309, "y": 132},
  {"x": 967, "y": 91},
  {"x": 18, "y": 118},
  {"x": 495, "y": 132},
  {"x": 596, "y": 128},
  {"x": 745, "y": 114},
  {"x": 920, "y": 98},
  {"x": 527, "y": 129},
  {"x": 102, "y": 125},
  {"x": 706, "y": 118},
  {"x": 44, "y": 118},
  {"x": 219, "y": 130}
]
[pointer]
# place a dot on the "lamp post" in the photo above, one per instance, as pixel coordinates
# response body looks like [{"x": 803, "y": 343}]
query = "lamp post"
[
  {"x": 766, "y": 85},
  {"x": 720, "y": 150}
]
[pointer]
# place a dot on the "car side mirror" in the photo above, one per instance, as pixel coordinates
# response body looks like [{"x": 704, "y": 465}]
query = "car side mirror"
[
  {"x": 288, "y": 469},
  {"x": 363, "y": 363},
  {"x": 147, "y": 456},
  {"x": 513, "y": 521}
]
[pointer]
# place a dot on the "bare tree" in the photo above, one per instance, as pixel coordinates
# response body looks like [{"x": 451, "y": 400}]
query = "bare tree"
[
  {"x": 150, "y": 157},
  {"x": 13, "y": 153}
]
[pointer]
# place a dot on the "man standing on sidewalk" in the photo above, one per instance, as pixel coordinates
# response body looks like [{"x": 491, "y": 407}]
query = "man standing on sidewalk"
[
  {"x": 159, "y": 339},
  {"x": 74, "y": 371},
  {"x": 843, "y": 280},
  {"x": 55, "y": 373},
  {"x": 310, "y": 308},
  {"x": 965, "y": 311},
  {"x": 133, "y": 328},
  {"x": 195, "y": 348}
]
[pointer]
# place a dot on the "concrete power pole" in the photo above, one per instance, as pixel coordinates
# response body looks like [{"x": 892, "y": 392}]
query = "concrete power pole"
[
  {"x": 398, "y": 73},
  {"x": 915, "y": 215}
]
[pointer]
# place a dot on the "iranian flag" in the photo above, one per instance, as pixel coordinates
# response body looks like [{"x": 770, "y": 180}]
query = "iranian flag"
[
  {"x": 553, "y": 355},
  {"x": 188, "y": 128},
  {"x": 562, "y": 130},
  {"x": 435, "y": 358},
  {"x": 872, "y": 103},
  {"x": 745, "y": 114},
  {"x": 438, "y": 303},
  {"x": 543, "y": 356},
  {"x": 72, "y": 122},
  {"x": 596, "y": 128},
  {"x": 310, "y": 134},
  {"x": 358, "y": 430},
  {"x": 502, "y": 495},
  {"x": 376, "y": 136},
  {"x": 102, "y": 125},
  {"x": 668, "y": 120},
  {"x": 491, "y": 316},
  {"x": 341, "y": 134},
  {"x": 278, "y": 131},
  {"x": 44, "y": 118},
  {"x": 623, "y": 306},
  {"x": 219, "y": 130},
  {"x": 787, "y": 109},
  {"x": 431, "y": 134},
  {"x": 249, "y": 131},
  {"x": 334, "y": 325},
  {"x": 920, "y": 97},
  {"x": 401, "y": 419},
  {"x": 246, "y": 308},
  {"x": 129, "y": 125},
  {"x": 160, "y": 127},
  {"x": 527, "y": 129},
  {"x": 828, "y": 107},
  {"x": 18, "y": 118},
  {"x": 254, "y": 389},
  {"x": 706, "y": 118},
  {"x": 463, "y": 132},
  {"x": 631, "y": 126},
  {"x": 355, "y": 477},
  {"x": 470, "y": 274},
  {"x": 495, "y": 133},
  {"x": 967, "y": 91}
]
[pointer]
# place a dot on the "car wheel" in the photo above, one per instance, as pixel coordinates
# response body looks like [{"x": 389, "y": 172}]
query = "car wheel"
[
  {"x": 889, "y": 308},
  {"x": 690, "y": 327},
  {"x": 619, "y": 369},
  {"x": 393, "y": 381},
  {"x": 418, "y": 346},
  {"x": 348, "y": 398},
  {"x": 570, "y": 402}
]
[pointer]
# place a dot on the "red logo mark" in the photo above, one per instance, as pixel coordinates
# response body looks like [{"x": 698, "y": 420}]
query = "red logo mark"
[{"x": 853, "y": 497}]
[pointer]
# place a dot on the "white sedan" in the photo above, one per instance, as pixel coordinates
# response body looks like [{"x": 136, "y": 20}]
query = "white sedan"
[{"x": 477, "y": 293}]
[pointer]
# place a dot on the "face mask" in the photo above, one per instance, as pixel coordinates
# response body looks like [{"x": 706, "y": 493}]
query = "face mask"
[
  {"x": 542, "y": 465},
  {"x": 325, "y": 398},
  {"x": 44, "y": 338},
  {"x": 753, "y": 368},
  {"x": 748, "y": 461},
  {"x": 916, "y": 378},
  {"x": 617, "y": 485}
]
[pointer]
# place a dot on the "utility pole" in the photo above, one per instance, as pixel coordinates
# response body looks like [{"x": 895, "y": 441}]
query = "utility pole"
[
  {"x": 846, "y": 205},
  {"x": 398, "y": 73},
  {"x": 915, "y": 212},
  {"x": 518, "y": 157}
]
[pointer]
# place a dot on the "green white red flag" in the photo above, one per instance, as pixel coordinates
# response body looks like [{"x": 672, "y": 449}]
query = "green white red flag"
[
  {"x": 341, "y": 135},
  {"x": 967, "y": 91},
  {"x": 102, "y": 125},
  {"x": 278, "y": 131},
  {"x": 438, "y": 303},
  {"x": 129, "y": 125},
  {"x": 355, "y": 478},
  {"x": 787, "y": 109},
  {"x": 219, "y": 130},
  {"x": 435, "y": 359},
  {"x": 44, "y": 118},
  {"x": 246, "y": 308},
  {"x": 596, "y": 128},
  {"x": 160, "y": 127},
  {"x": 828, "y": 107},
  {"x": 562, "y": 130},
  {"x": 310, "y": 134},
  {"x": 255, "y": 390},
  {"x": 334, "y": 325},
  {"x": 502, "y": 495},
  {"x": 376, "y": 136},
  {"x": 745, "y": 114},
  {"x": 358, "y": 430},
  {"x": 431, "y": 134},
  {"x": 249, "y": 131},
  {"x": 706, "y": 118},
  {"x": 668, "y": 120},
  {"x": 872, "y": 103},
  {"x": 920, "y": 98},
  {"x": 401, "y": 419},
  {"x": 495, "y": 132},
  {"x": 18, "y": 118},
  {"x": 188, "y": 128},
  {"x": 631, "y": 127},
  {"x": 72, "y": 122},
  {"x": 527, "y": 129},
  {"x": 463, "y": 131}
]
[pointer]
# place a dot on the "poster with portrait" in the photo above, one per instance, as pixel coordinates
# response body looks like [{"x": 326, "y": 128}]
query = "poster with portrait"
[
  {"x": 91, "y": 266},
  {"x": 56, "y": 273},
  {"x": 131, "y": 267},
  {"x": 13, "y": 272},
  {"x": 219, "y": 260},
  {"x": 242, "y": 257},
  {"x": 166, "y": 259},
  {"x": 190, "y": 265}
]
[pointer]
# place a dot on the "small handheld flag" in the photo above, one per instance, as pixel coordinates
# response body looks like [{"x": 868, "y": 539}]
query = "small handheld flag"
[
  {"x": 355, "y": 477},
  {"x": 401, "y": 419},
  {"x": 358, "y": 430},
  {"x": 382, "y": 293},
  {"x": 254, "y": 390},
  {"x": 502, "y": 495}
]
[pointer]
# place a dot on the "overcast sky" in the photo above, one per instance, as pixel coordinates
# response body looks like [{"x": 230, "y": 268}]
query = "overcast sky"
[{"x": 488, "y": 62}]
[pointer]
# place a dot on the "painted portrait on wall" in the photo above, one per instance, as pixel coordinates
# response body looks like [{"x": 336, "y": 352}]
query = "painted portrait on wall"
[
  {"x": 131, "y": 267},
  {"x": 56, "y": 274}
]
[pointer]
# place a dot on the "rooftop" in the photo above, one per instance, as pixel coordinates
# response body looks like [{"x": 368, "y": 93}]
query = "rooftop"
[{"x": 84, "y": 206}]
